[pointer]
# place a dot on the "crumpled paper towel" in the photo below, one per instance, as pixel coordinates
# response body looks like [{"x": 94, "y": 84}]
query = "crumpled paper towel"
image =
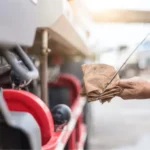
[{"x": 95, "y": 77}]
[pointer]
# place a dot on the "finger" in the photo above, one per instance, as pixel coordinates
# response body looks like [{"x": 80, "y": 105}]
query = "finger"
[
  {"x": 126, "y": 94},
  {"x": 125, "y": 83}
]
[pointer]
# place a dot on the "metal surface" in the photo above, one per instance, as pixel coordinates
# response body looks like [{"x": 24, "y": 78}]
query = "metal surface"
[
  {"x": 56, "y": 16},
  {"x": 44, "y": 67},
  {"x": 136, "y": 48},
  {"x": 28, "y": 73},
  {"x": 49, "y": 12},
  {"x": 18, "y": 22}
]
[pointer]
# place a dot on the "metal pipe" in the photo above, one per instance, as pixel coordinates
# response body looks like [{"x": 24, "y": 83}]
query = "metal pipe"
[{"x": 44, "y": 67}]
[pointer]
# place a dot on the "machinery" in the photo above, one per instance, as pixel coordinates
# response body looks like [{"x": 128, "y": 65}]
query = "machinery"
[{"x": 40, "y": 106}]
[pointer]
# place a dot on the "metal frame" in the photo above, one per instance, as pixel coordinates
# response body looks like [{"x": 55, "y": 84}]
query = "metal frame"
[
  {"x": 76, "y": 134},
  {"x": 75, "y": 126},
  {"x": 44, "y": 66}
]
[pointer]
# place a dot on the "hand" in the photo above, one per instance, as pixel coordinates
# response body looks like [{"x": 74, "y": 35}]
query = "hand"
[{"x": 135, "y": 88}]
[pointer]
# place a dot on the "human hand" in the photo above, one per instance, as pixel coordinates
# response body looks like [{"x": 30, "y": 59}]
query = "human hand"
[{"x": 135, "y": 88}]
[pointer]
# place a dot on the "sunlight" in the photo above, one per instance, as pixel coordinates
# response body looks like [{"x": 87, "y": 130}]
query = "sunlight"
[{"x": 100, "y": 5}]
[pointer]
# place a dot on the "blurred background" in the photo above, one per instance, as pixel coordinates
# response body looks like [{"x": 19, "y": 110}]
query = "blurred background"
[{"x": 115, "y": 27}]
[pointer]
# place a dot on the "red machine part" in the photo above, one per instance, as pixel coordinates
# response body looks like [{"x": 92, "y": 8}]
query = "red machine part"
[
  {"x": 56, "y": 60},
  {"x": 74, "y": 132},
  {"x": 60, "y": 139},
  {"x": 77, "y": 104},
  {"x": 27, "y": 102},
  {"x": 71, "y": 82}
]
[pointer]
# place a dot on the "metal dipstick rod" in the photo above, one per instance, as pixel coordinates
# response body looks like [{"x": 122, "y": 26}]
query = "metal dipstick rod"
[{"x": 127, "y": 59}]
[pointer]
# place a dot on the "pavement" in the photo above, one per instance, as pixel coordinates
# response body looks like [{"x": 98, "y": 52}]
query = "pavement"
[{"x": 119, "y": 125}]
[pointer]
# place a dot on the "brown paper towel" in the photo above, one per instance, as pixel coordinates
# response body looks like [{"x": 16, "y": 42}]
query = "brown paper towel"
[{"x": 95, "y": 77}]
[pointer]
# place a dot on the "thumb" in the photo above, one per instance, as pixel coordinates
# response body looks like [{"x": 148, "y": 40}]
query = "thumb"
[
  {"x": 126, "y": 94},
  {"x": 125, "y": 83}
]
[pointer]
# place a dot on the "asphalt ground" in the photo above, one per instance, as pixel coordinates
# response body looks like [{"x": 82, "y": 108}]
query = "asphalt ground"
[{"x": 119, "y": 125}]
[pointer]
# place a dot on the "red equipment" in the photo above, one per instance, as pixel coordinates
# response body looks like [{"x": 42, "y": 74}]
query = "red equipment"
[{"x": 73, "y": 134}]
